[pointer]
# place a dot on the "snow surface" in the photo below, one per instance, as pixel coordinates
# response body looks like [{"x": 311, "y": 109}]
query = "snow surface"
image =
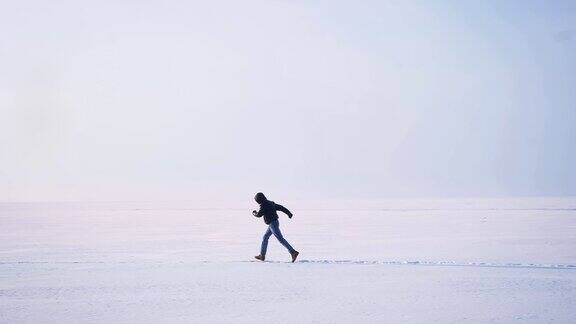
[{"x": 401, "y": 261}]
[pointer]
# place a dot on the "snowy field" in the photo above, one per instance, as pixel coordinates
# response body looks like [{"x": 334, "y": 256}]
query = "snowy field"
[{"x": 402, "y": 261}]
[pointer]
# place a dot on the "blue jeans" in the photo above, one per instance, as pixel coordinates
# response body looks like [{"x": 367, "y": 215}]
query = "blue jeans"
[{"x": 274, "y": 228}]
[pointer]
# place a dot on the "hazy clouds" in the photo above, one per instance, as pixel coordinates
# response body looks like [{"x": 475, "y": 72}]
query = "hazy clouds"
[{"x": 176, "y": 99}]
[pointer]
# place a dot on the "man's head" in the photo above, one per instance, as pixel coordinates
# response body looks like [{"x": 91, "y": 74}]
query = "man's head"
[{"x": 260, "y": 198}]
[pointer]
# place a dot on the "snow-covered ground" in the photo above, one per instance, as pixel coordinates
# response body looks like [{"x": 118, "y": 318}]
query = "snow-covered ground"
[{"x": 402, "y": 261}]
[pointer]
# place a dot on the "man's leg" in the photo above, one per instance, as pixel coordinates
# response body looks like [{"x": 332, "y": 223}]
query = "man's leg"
[
  {"x": 265, "y": 238},
  {"x": 275, "y": 228}
]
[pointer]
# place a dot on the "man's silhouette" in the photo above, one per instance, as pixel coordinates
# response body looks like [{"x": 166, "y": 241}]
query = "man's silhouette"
[{"x": 268, "y": 210}]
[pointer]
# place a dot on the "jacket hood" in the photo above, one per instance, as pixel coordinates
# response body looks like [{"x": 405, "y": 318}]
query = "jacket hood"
[{"x": 260, "y": 198}]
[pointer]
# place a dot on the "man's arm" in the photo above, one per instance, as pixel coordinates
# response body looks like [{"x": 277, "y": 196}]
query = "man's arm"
[
  {"x": 259, "y": 213},
  {"x": 284, "y": 210}
]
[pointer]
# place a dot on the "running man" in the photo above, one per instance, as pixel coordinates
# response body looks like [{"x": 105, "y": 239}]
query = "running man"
[{"x": 268, "y": 209}]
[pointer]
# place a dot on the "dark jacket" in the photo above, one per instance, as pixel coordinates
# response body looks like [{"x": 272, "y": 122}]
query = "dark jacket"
[{"x": 268, "y": 209}]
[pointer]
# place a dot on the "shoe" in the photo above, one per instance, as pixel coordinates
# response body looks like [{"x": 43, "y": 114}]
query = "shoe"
[
  {"x": 261, "y": 257},
  {"x": 294, "y": 255}
]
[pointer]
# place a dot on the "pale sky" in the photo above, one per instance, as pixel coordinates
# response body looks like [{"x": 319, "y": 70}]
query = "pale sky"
[{"x": 114, "y": 100}]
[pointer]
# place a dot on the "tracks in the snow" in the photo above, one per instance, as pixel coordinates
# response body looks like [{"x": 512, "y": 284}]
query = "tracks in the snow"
[
  {"x": 555, "y": 266},
  {"x": 439, "y": 264}
]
